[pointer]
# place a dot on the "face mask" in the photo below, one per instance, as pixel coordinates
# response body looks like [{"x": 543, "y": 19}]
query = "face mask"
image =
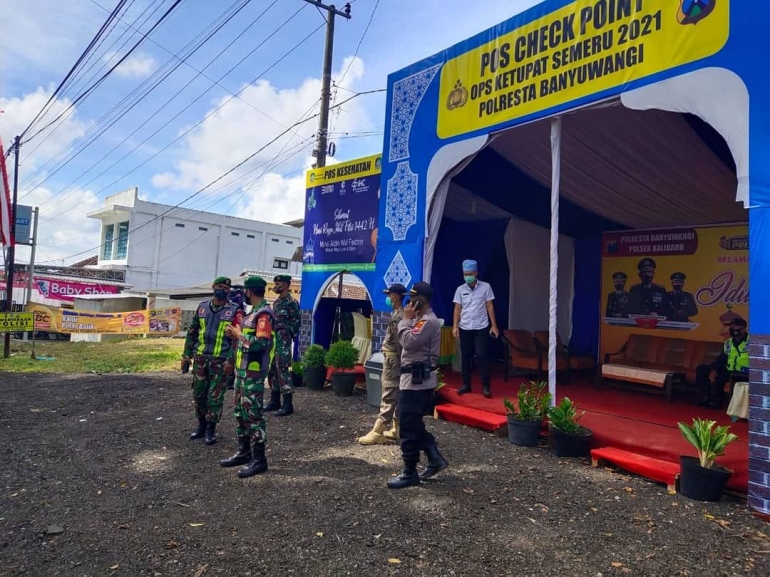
[
  {"x": 277, "y": 290},
  {"x": 388, "y": 302},
  {"x": 646, "y": 278},
  {"x": 619, "y": 287},
  {"x": 220, "y": 294},
  {"x": 677, "y": 287},
  {"x": 470, "y": 279},
  {"x": 735, "y": 333}
]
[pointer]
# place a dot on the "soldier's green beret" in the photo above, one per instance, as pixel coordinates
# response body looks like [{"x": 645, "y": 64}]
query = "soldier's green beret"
[
  {"x": 255, "y": 282},
  {"x": 282, "y": 278},
  {"x": 222, "y": 280}
]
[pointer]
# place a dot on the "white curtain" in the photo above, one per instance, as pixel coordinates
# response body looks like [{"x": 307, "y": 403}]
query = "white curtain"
[{"x": 528, "y": 249}]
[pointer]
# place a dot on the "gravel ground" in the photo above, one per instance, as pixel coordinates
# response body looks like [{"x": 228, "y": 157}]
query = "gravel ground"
[{"x": 100, "y": 479}]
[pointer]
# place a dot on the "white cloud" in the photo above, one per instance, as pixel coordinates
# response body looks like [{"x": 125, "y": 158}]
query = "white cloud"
[
  {"x": 138, "y": 65},
  {"x": 238, "y": 130}
]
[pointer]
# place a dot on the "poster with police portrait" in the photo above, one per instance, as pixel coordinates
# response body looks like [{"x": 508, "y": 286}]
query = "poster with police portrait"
[{"x": 684, "y": 283}]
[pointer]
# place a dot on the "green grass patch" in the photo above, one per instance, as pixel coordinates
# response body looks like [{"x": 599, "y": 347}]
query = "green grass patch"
[{"x": 136, "y": 355}]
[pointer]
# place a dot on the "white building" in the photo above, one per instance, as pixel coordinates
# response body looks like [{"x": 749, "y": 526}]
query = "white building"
[{"x": 159, "y": 246}]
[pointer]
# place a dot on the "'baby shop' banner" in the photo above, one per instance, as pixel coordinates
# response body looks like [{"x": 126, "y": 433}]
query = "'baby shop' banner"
[{"x": 681, "y": 283}]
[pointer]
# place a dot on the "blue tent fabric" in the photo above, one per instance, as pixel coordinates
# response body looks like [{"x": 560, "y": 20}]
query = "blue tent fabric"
[
  {"x": 586, "y": 306},
  {"x": 323, "y": 317}
]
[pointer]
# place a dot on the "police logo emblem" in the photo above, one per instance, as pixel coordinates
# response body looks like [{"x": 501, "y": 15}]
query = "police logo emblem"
[
  {"x": 458, "y": 97},
  {"x": 693, "y": 11}
]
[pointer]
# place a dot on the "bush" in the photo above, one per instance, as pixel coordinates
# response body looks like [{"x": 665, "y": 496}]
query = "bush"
[
  {"x": 342, "y": 355},
  {"x": 296, "y": 368},
  {"x": 565, "y": 418},
  {"x": 314, "y": 358},
  {"x": 534, "y": 401},
  {"x": 709, "y": 442}
]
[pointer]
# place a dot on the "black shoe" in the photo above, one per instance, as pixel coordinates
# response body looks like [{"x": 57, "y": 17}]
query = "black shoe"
[
  {"x": 200, "y": 431},
  {"x": 211, "y": 436},
  {"x": 275, "y": 402},
  {"x": 258, "y": 462},
  {"x": 243, "y": 455},
  {"x": 436, "y": 463},
  {"x": 287, "y": 408},
  {"x": 487, "y": 392},
  {"x": 464, "y": 389},
  {"x": 408, "y": 476}
]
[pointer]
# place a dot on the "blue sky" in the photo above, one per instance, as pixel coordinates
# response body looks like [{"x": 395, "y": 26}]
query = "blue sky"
[{"x": 45, "y": 37}]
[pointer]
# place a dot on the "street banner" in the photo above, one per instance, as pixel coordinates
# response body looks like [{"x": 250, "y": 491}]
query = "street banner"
[
  {"x": 686, "y": 283},
  {"x": 6, "y": 208},
  {"x": 165, "y": 321},
  {"x": 341, "y": 212},
  {"x": 155, "y": 322},
  {"x": 15, "y": 322}
]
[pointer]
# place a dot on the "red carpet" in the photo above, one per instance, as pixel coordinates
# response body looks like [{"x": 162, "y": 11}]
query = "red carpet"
[{"x": 632, "y": 421}]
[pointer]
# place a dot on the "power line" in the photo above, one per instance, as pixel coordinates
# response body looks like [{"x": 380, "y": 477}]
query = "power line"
[
  {"x": 90, "y": 89},
  {"x": 360, "y": 41},
  {"x": 228, "y": 172}
]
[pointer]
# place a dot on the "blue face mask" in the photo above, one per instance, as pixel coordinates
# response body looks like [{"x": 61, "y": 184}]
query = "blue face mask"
[
  {"x": 220, "y": 294},
  {"x": 389, "y": 302},
  {"x": 470, "y": 279}
]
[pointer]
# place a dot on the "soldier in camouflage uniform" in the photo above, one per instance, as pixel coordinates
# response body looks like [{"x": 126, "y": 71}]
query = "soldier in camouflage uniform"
[
  {"x": 391, "y": 373},
  {"x": 209, "y": 348},
  {"x": 287, "y": 323},
  {"x": 254, "y": 351}
]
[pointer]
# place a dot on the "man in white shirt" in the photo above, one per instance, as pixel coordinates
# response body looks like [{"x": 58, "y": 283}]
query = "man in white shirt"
[{"x": 474, "y": 320}]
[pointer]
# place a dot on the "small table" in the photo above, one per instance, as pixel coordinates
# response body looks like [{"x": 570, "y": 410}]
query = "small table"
[{"x": 739, "y": 404}]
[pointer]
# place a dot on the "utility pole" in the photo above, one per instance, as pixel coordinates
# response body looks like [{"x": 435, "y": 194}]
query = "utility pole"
[
  {"x": 12, "y": 248},
  {"x": 323, "y": 117}
]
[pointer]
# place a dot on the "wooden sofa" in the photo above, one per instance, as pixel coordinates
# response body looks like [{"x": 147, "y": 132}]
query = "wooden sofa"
[
  {"x": 659, "y": 362},
  {"x": 566, "y": 360},
  {"x": 528, "y": 352}
]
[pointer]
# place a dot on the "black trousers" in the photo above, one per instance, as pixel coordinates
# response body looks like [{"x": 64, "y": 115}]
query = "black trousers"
[
  {"x": 412, "y": 407},
  {"x": 715, "y": 393},
  {"x": 475, "y": 342}
]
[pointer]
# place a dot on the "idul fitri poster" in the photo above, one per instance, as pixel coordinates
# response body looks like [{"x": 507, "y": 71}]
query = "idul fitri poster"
[{"x": 684, "y": 283}]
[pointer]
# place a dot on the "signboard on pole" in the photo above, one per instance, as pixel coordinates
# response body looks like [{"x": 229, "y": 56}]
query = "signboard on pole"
[
  {"x": 341, "y": 213},
  {"x": 23, "y": 224},
  {"x": 16, "y": 322}
]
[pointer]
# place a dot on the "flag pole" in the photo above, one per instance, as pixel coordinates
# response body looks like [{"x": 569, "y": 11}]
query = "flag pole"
[{"x": 12, "y": 244}]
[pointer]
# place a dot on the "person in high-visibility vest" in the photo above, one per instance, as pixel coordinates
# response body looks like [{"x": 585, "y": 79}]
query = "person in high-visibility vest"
[
  {"x": 255, "y": 340},
  {"x": 730, "y": 367}
]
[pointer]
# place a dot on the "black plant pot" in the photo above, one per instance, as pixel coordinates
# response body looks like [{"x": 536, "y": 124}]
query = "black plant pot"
[
  {"x": 524, "y": 433},
  {"x": 296, "y": 380},
  {"x": 566, "y": 445},
  {"x": 343, "y": 384},
  {"x": 314, "y": 379},
  {"x": 699, "y": 483}
]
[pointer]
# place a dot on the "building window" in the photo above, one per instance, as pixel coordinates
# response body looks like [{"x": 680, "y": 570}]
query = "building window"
[
  {"x": 122, "y": 240},
  {"x": 179, "y": 225},
  {"x": 281, "y": 264},
  {"x": 249, "y": 236},
  {"x": 203, "y": 228},
  {"x": 235, "y": 233},
  {"x": 289, "y": 242},
  {"x": 275, "y": 240},
  {"x": 109, "y": 236}
]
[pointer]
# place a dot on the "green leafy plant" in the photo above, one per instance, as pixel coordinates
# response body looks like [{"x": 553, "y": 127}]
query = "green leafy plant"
[
  {"x": 314, "y": 358},
  {"x": 297, "y": 369},
  {"x": 534, "y": 401},
  {"x": 565, "y": 418},
  {"x": 710, "y": 442},
  {"x": 440, "y": 379},
  {"x": 342, "y": 356}
]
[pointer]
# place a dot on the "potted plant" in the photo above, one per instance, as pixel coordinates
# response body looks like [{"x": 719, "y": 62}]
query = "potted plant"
[
  {"x": 314, "y": 367},
  {"x": 702, "y": 479},
  {"x": 567, "y": 437},
  {"x": 342, "y": 357},
  {"x": 296, "y": 374},
  {"x": 526, "y": 421}
]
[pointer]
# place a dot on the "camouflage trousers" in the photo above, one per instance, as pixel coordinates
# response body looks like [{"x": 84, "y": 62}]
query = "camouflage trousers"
[
  {"x": 279, "y": 377},
  {"x": 249, "y": 388},
  {"x": 209, "y": 388}
]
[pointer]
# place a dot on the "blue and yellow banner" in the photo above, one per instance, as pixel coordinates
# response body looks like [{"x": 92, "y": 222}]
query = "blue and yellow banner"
[{"x": 585, "y": 48}]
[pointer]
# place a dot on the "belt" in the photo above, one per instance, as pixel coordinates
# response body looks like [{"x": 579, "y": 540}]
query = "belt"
[{"x": 407, "y": 370}]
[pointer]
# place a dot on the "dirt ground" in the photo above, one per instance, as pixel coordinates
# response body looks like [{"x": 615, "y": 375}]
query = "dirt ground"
[{"x": 99, "y": 478}]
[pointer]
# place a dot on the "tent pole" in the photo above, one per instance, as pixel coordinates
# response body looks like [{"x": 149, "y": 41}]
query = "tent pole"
[{"x": 555, "y": 178}]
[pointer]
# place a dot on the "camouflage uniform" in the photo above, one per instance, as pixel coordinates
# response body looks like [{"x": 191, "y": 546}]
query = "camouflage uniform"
[
  {"x": 209, "y": 348},
  {"x": 287, "y": 322}
]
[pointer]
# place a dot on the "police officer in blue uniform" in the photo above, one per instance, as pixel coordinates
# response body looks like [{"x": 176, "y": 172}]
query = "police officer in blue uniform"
[
  {"x": 680, "y": 305},
  {"x": 646, "y": 298},
  {"x": 617, "y": 302}
]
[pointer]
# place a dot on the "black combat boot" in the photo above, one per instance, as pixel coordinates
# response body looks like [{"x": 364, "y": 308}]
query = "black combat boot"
[
  {"x": 408, "y": 476},
  {"x": 436, "y": 463},
  {"x": 211, "y": 436},
  {"x": 275, "y": 401},
  {"x": 487, "y": 391},
  {"x": 287, "y": 408},
  {"x": 242, "y": 456},
  {"x": 200, "y": 431},
  {"x": 258, "y": 462},
  {"x": 464, "y": 389}
]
